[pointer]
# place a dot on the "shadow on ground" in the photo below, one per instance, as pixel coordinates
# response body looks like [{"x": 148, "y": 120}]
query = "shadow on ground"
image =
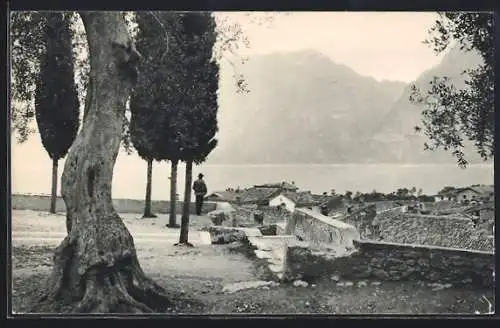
[{"x": 195, "y": 277}]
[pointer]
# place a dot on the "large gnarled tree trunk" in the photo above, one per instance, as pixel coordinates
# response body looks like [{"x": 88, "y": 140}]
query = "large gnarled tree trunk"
[
  {"x": 96, "y": 265},
  {"x": 172, "y": 221}
]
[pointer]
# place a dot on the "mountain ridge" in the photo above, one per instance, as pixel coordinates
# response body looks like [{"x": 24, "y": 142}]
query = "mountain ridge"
[{"x": 305, "y": 108}]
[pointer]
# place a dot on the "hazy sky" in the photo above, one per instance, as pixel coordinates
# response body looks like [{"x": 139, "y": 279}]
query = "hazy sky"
[{"x": 382, "y": 45}]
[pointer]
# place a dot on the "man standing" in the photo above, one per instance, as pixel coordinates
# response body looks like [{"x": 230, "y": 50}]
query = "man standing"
[{"x": 200, "y": 190}]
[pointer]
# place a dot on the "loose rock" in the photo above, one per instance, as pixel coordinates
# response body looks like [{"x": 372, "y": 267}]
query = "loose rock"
[
  {"x": 300, "y": 283},
  {"x": 438, "y": 286},
  {"x": 232, "y": 288},
  {"x": 335, "y": 278},
  {"x": 376, "y": 283},
  {"x": 362, "y": 284}
]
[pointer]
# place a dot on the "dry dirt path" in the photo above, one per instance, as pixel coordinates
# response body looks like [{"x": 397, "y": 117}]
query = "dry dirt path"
[{"x": 154, "y": 244}]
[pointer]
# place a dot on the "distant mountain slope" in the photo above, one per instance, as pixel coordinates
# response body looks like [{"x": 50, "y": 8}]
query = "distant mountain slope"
[
  {"x": 302, "y": 108},
  {"x": 394, "y": 136},
  {"x": 305, "y": 108}
]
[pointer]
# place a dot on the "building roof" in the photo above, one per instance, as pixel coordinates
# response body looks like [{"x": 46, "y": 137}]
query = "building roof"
[
  {"x": 485, "y": 190},
  {"x": 482, "y": 190},
  {"x": 333, "y": 202},
  {"x": 466, "y": 189},
  {"x": 306, "y": 198},
  {"x": 228, "y": 196},
  {"x": 301, "y": 198},
  {"x": 258, "y": 194},
  {"x": 282, "y": 185}
]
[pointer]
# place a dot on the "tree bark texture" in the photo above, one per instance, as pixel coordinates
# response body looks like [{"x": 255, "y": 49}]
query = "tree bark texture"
[
  {"x": 147, "y": 202},
  {"x": 53, "y": 194},
  {"x": 96, "y": 269},
  {"x": 172, "y": 221},
  {"x": 183, "y": 238}
]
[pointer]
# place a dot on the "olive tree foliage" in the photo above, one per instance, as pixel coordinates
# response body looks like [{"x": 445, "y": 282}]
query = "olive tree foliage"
[
  {"x": 452, "y": 115},
  {"x": 26, "y": 48}
]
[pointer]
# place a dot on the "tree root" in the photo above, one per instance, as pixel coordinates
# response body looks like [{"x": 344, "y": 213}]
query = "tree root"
[
  {"x": 187, "y": 244},
  {"x": 175, "y": 226},
  {"x": 109, "y": 294},
  {"x": 122, "y": 288},
  {"x": 149, "y": 216}
]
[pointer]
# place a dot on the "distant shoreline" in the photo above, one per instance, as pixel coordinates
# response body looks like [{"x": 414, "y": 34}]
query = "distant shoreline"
[
  {"x": 27, "y": 194},
  {"x": 350, "y": 164}
]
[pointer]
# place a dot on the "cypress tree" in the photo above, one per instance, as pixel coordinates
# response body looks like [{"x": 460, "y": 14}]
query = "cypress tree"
[
  {"x": 199, "y": 100},
  {"x": 57, "y": 108}
]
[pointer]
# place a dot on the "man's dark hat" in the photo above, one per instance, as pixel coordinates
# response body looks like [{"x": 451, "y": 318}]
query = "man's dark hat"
[{"x": 200, "y": 175}]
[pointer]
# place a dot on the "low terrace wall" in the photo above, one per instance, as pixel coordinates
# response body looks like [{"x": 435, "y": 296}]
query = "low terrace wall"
[
  {"x": 316, "y": 228},
  {"x": 393, "y": 262},
  {"x": 244, "y": 215},
  {"x": 42, "y": 203}
]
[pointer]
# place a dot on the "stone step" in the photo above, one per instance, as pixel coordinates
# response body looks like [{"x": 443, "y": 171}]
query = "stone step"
[
  {"x": 263, "y": 254},
  {"x": 273, "y": 250},
  {"x": 280, "y": 228},
  {"x": 249, "y": 232}
]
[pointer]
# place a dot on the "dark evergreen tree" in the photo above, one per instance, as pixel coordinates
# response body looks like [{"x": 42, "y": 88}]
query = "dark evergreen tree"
[
  {"x": 199, "y": 104},
  {"x": 142, "y": 129},
  {"x": 153, "y": 102},
  {"x": 56, "y": 99}
]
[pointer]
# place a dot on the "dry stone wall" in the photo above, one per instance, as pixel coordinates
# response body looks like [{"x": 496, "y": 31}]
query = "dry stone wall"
[
  {"x": 243, "y": 215},
  {"x": 444, "y": 231},
  {"x": 394, "y": 262}
]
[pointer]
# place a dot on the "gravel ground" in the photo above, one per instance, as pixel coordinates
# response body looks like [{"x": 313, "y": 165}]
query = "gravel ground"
[{"x": 196, "y": 276}]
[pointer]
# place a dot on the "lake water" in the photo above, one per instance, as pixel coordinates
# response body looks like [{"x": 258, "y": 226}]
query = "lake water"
[
  {"x": 129, "y": 179},
  {"x": 31, "y": 173},
  {"x": 364, "y": 178}
]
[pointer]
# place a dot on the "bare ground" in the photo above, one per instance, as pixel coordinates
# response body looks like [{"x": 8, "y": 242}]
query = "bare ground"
[{"x": 196, "y": 276}]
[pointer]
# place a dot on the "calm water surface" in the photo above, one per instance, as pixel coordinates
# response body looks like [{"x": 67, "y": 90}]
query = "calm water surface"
[{"x": 129, "y": 181}]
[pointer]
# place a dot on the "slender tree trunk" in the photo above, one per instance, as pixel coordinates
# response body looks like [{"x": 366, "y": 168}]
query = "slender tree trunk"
[
  {"x": 96, "y": 269},
  {"x": 173, "y": 196},
  {"x": 147, "y": 201},
  {"x": 53, "y": 195},
  {"x": 183, "y": 238}
]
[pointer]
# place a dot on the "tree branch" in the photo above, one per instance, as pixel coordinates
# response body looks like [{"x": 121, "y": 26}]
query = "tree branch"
[{"x": 164, "y": 29}]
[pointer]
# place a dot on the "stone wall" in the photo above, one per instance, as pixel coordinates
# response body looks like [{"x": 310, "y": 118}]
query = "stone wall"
[
  {"x": 383, "y": 205},
  {"x": 243, "y": 215},
  {"x": 395, "y": 262},
  {"x": 42, "y": 203},
  {"x": 444, "y": 231},
  {"x": 362, "y": 219},
  {"x": 486, "y": 219},
  {"x": 316, "y": 228}
]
